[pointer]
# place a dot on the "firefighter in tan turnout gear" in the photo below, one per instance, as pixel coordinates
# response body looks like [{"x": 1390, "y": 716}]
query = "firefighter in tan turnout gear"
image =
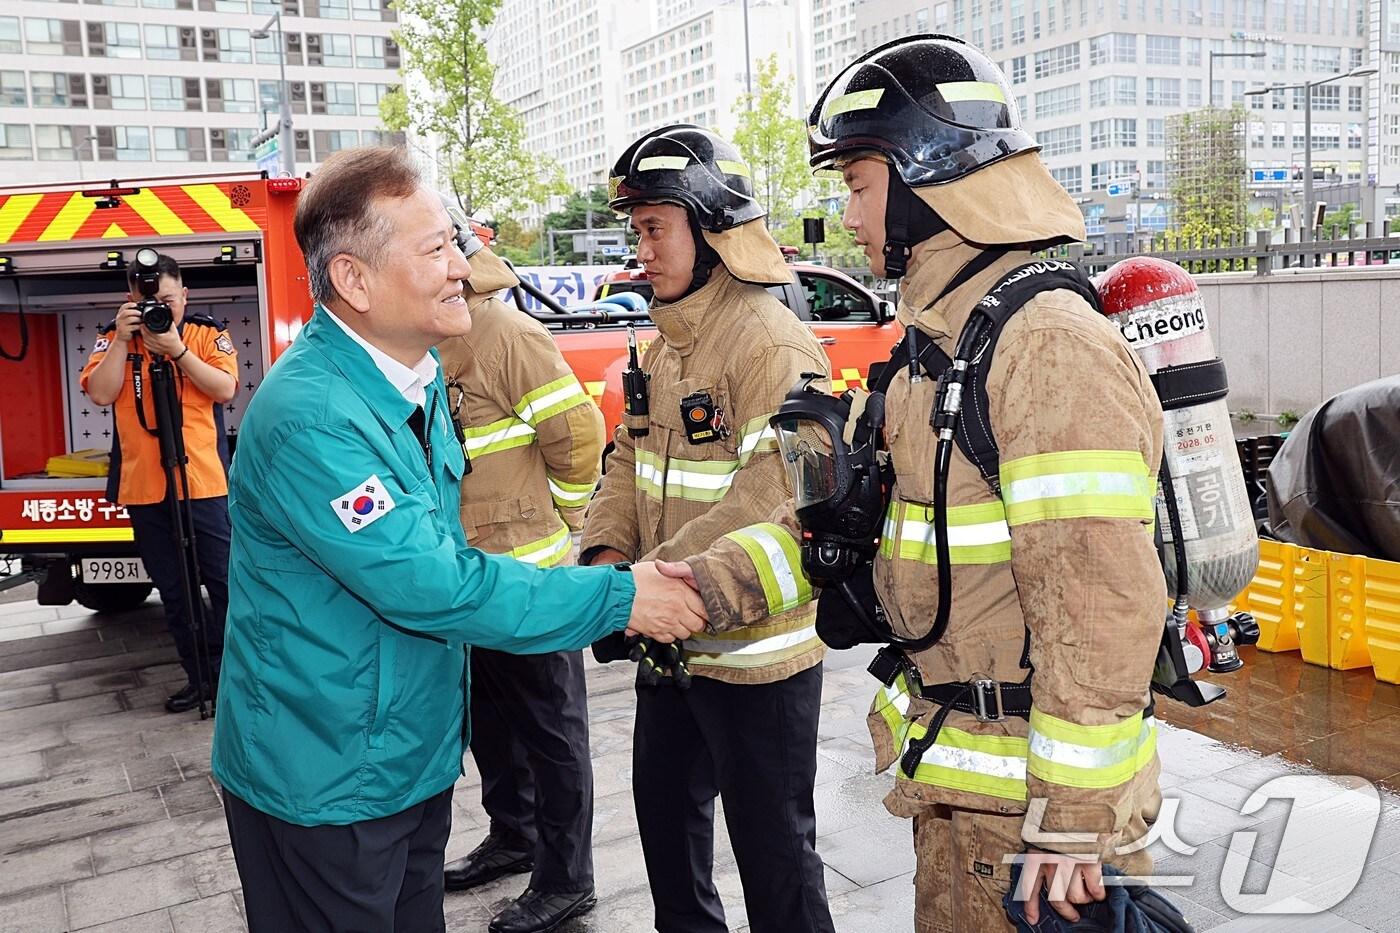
[
  {"x": 534, "y": 441},
  {"x": 1051, "y": 568},
  {"x": 703, "y": 463}
]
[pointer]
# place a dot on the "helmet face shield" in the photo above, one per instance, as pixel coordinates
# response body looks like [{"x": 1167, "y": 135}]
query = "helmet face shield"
[{"x": 935, "y": 106}]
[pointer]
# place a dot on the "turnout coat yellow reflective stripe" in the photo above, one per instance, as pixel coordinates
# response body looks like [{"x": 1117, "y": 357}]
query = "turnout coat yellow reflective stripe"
[
  {"x": 1065, "y": 551},
  {"x": 534, "y": 437},
  {"x": 665, "y": 497}
]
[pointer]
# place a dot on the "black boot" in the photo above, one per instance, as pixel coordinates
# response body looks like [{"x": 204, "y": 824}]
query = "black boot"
[
  {"x": 540, "y": 912},
  {"x": 187, "y": 699},
  {"x": 497, "y": 855}
]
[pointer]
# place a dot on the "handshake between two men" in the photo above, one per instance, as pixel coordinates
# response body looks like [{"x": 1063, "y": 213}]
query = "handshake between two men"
[{"x": 667, "y": 606}]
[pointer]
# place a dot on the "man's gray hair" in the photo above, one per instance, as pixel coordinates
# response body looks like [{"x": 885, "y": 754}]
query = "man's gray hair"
[{"x": 335, "y": 211}]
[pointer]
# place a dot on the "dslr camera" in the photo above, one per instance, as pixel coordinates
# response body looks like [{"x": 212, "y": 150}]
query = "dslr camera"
[{"x": 155, "y": 314}]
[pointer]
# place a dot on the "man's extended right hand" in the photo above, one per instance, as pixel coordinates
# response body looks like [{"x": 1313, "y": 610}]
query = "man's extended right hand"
[{"x": 664, "y": 608}]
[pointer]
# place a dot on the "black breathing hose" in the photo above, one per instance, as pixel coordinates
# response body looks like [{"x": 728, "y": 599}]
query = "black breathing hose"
[
  {"x": 1183, "y": 587},
  {"x": 946, "y": 409}
]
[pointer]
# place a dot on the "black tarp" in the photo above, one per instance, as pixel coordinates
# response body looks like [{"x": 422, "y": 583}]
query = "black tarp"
[{"x": 1335, "y": 483}]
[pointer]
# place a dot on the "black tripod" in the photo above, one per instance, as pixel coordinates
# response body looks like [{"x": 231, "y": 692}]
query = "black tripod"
[{"x": 170, "y": 430}]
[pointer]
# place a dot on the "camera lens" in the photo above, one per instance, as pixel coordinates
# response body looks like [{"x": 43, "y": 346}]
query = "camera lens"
[{"x": 157, "y": 317}]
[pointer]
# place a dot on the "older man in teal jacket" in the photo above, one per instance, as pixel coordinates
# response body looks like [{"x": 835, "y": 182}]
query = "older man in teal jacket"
[{"x": 352, "y": 589}]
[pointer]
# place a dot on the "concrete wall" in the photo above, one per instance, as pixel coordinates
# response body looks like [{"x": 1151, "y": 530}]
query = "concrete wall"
[{"x": 1292, "y": 340}]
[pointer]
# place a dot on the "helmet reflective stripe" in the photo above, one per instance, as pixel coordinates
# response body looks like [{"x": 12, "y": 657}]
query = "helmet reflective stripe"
[
  {"x": 972, "y": 90},
  {"x": 652, "y": 163},
  {"x": 856, "y": 100}
]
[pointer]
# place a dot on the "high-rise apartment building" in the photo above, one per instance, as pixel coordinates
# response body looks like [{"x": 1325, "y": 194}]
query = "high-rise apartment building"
[
  {"x": 1095, "y": 80},
  {"x": 588, "y": 76},
  {"x": 834, "y": 41},
  {"x": 159, "y": 87},
  {"x": 559, "y": 65},
  {"x": 695, "y": 70}
]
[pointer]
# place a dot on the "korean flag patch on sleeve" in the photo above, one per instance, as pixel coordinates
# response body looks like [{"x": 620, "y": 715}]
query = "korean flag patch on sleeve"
[{"x": 363, "y": 505}]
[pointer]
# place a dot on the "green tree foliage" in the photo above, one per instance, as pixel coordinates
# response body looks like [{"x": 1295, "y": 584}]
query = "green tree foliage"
[
  {"x": 521, "y": 245},
  {"x": 1206, "y": 165},
  {"x": 447, "y": 96},
  {"x": 774, "y": 144},
  {"x": 574, "y": 216},
  {"x": 838, "y": 250},
  {"x": 1336, "y": 223},
  {"x": 1262, "y": 218}
]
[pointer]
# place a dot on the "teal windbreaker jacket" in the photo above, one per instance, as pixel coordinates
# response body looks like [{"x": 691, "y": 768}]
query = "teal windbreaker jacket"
[{"x": 353, "y": 596}]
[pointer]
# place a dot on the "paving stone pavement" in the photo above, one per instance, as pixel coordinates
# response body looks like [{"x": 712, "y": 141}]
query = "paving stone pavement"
[{"x": 110, "y": 821}]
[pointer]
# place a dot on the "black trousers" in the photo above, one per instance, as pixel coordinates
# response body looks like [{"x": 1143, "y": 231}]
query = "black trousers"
[
  {"x": 530, "y": 740},
  {"x": 376, "y": 876},
  {"x": 155, "y": 542},
  {"x": 756, "y": 747}
]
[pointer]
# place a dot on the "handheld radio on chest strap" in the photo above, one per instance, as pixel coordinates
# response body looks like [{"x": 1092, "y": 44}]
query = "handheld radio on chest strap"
[{"x": 636, "y": 397}]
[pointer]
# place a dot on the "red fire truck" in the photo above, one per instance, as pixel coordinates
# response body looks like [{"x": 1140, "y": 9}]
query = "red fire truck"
[{"x": 63, "y": 256}]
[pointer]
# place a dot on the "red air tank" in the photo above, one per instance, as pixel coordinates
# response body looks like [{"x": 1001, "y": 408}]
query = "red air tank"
[{"x": 1158, "y": 307}]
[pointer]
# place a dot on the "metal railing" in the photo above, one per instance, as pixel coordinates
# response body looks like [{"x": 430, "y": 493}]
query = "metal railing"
[{"x": 1257, "y": 252}]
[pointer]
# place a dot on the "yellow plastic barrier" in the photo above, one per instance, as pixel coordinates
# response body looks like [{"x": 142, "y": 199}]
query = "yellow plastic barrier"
[
  {"x": 1287, "y": 597},
  {"x": 1380, "y": 609},
  {"x": 1342, "y": 611},
  {"x": 1344, "y": 637}
]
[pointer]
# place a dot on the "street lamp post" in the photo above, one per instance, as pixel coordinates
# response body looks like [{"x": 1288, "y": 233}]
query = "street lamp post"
[
  {"x": 1210, "y": 69},
  {"x": 82, "y": 159},
  {"x": 285, "y": 140},
  {"x": 748, "y": 57},
  {"x": 1307, "y": 89}
]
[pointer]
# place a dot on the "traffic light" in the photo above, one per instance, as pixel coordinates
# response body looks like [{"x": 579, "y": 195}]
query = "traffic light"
[{"x": 270, "y": 133}]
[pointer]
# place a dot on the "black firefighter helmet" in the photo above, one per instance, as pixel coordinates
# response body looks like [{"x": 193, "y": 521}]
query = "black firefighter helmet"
[
  {"x": 935, "y": 106},
  {"x": 690, "y": 166}
]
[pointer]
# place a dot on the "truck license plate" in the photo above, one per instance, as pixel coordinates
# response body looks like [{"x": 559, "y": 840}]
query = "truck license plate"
[{"x": 114, "y": 570}]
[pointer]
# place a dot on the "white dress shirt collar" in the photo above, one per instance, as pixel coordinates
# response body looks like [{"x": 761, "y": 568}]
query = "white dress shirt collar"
[{"x": 411, "y": 383}]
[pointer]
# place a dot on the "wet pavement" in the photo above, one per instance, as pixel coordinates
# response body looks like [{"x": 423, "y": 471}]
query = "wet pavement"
[{"x": 109, "y": 820}]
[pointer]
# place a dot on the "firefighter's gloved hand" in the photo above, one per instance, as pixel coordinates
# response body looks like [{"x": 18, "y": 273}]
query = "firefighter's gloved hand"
[
  {"x": 649, "y": 673},
  {"x": 614, "y": 647},
  {"x": 659, "y": 664},
  {"x": 680, "y": 671}
]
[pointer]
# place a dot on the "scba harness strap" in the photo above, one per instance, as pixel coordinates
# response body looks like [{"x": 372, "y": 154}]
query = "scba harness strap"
[
  {"x": 988, "y": 700},
  {"x": 989, "y": 318}
]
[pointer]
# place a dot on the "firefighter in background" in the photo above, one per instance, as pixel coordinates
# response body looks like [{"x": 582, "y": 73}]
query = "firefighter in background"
[
  {"x": 534, "y": 440},
  {"x": 1057, "y": 575},
  {"x": 703, "y": 465},
  {"x": 207, "y": 378}
]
